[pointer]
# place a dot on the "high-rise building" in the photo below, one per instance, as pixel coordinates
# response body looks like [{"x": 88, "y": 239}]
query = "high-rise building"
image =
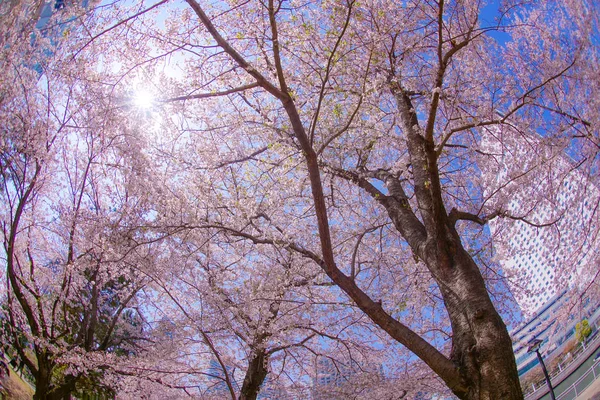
[
  {"x": 549, "y": 245},
  {"x": 551, "y": 242},
  {"x": 329, "y": 373},
  {"x": 335, "y": 380}
]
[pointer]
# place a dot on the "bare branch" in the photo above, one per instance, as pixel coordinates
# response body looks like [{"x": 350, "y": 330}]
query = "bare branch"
[
  {"x": 118, "y": 24},
  {"x": 341, "y": 131},
  {"x": 237, "y": 57},
  {"x": 325, "y": 80},
  {"x": 457, "y": 215}
]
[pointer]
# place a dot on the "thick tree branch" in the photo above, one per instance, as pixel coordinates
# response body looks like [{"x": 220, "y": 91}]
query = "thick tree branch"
[
  {"x": 211, "y": 94},
  {"x": 426, "y": 181},
  {"x": 396, "y": 203}
]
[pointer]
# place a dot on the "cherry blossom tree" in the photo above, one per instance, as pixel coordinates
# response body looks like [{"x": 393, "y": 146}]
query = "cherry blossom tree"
[
  {"x": 253, "y": 320},
  {"x": 364, "y": 124},
  {"x": 70, "y": 212},
  {"x": 388, "y": 102},
  {"x": 355, "y": 135}
]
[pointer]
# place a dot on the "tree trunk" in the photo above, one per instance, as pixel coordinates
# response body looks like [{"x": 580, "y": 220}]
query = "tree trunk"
[
  {"x": 45, "y": 389},
  {"x": 42, "y": 382},
  {"x": 481, "y": 346},
  {"x": 255, "y": 375},
  {"x": 64, "y": 391}
]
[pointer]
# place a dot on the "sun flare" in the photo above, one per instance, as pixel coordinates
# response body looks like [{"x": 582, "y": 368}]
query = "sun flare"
[{"x": 143, "y": 98}]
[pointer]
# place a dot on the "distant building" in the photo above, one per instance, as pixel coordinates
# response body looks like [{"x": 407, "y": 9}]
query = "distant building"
[
  {"x": 334, "y": 380},
  {"x": 554, "y": 332},
  {"x": 217, "y": 378},
  {"x": 218, "y": 387},
  {"x": 329, "y": 374}
]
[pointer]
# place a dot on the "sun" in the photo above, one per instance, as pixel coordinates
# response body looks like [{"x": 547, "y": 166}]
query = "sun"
[{"x": 143, "y": 98}]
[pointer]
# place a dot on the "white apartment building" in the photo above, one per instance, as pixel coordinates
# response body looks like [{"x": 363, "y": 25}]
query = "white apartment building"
[
  {"x": 553, "y": 249},
  {"x": 551, "y": 244}
]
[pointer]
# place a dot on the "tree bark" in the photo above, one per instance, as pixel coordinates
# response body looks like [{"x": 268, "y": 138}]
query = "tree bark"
[
  {"x": 255, "y": 375},
  {"x": 44, "y": 388},
  {"x": 481, "y": 345},
  {"x": 42, "y": 381}
]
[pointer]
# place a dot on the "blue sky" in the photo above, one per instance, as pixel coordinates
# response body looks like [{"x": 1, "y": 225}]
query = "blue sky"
[{"x": 489, "y": 17}]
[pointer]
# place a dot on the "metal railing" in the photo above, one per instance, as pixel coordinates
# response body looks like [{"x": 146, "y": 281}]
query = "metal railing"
[
  {"x": 541, "y": 384},
  {"x": 581, "y": 384}
]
